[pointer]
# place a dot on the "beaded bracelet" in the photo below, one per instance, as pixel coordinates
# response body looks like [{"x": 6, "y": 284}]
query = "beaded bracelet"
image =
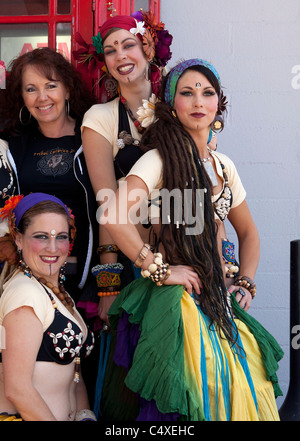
[
  {"x": 247, "y": 283},
  {"x": 110, "y": 248},
  {"x": 142, "y": 255},
  {"x": 108, "y": 293},
  {"x": 158, "y": 271}
]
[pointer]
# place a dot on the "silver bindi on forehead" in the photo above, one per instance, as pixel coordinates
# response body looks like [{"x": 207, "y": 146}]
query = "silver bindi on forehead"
[
  {"x": 198, "y": 85},
  {"x": 52, "y": 232}
]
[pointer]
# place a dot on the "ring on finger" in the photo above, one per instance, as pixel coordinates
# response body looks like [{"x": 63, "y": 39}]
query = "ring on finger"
[{"x": 242, "y": 292}]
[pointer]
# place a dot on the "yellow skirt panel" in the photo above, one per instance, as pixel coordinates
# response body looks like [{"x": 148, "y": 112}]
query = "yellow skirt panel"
[{"x": 230, "y": 382}]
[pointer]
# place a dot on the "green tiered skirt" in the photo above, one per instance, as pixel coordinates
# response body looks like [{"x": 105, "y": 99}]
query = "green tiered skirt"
[{"x": 183, "y": 367}]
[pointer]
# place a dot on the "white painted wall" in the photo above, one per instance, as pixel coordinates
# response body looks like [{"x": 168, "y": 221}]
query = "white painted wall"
[{"x": 254, "y": 44}]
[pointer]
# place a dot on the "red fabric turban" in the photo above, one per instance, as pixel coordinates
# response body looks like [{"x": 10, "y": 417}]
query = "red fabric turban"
[{"x": 119, "y": 21}]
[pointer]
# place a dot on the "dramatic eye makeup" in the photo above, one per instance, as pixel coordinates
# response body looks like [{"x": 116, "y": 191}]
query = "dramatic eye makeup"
[{"x": 44, "y": 236}]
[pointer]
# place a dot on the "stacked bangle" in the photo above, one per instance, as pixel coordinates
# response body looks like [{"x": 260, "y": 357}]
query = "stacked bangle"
[
  {"x": 110, "y": 248},
  {"x": 108, "y": 278},
  {"x": 247, "y": 283},
  {"x": 142, "y": 255},
  {"x": 158, "y": 271}
]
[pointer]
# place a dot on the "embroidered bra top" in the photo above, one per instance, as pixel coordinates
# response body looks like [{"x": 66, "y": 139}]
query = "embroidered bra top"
[{"x": 63, "y": 341}]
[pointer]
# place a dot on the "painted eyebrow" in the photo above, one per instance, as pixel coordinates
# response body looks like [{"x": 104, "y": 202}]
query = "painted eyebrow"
[
  {"x": 191, "y": 87},
  {"x": 44, "y": 232},
  {"x": 128, "y": 38}
]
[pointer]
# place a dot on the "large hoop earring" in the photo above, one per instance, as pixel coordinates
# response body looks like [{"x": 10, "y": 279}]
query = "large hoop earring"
[
  {"x": 20, "y": 116},
  {"x": 218, "y": 124}
]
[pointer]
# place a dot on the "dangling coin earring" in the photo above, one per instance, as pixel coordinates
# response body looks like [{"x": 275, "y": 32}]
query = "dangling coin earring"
[
  {"x": 111, "y": 85},
  {"x": 26, "y": 270},
  {"x": 61, "y": 276}
]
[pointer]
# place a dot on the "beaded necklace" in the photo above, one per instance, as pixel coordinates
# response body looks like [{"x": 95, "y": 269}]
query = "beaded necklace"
[
  {"x": 132, "y": 117},
  {"x": 211, "y": 173},
  {"x": 61, "y": 294},
  {"x": 223, "y": 203},
  {"x": 4, "y": 191}
]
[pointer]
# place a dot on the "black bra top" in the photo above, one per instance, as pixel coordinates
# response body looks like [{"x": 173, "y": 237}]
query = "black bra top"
[{"x": 63, "y": 341}]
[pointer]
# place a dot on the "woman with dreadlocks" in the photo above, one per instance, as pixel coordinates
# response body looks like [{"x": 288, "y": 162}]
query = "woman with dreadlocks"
[{"x": 191, "y": 350}]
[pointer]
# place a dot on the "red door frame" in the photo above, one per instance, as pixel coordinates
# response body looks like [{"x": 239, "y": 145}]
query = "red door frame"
[{"x": 52, "y": 19}]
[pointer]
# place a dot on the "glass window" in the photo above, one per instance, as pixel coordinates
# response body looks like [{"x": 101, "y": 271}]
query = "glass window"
[
  {"x": 15, "y": 39},
  {"x": 64, "y": 6},
  {"x": 24, "y": 7},
  {"x": 63, "y": 39}
]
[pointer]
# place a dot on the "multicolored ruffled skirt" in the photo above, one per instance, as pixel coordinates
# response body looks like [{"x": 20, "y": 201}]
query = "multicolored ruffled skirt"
[{"x": 170, "y": 364}]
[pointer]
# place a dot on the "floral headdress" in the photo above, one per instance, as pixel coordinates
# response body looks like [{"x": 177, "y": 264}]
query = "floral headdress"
[
  {"x": 8, "y": 217},
  {"x": 156, "y": 45}
]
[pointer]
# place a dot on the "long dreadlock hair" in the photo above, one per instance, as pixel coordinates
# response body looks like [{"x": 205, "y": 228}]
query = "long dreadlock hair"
[{"x": 182, "y": 169}]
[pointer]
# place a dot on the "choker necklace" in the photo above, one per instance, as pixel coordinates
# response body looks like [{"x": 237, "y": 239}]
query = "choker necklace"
[
  {"x": 60, "y": 292},
  {"x": 129, "y": 111},
  {"x": 209, "y": 169}
]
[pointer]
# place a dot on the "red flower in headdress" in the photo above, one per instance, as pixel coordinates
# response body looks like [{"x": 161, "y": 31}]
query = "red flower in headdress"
[
  {"x": 88, "y": 57},
  {"x": 10, "y": 205}
]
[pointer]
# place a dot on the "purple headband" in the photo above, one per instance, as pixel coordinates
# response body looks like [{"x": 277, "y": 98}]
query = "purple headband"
[{"x": 33, "y": 199}]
